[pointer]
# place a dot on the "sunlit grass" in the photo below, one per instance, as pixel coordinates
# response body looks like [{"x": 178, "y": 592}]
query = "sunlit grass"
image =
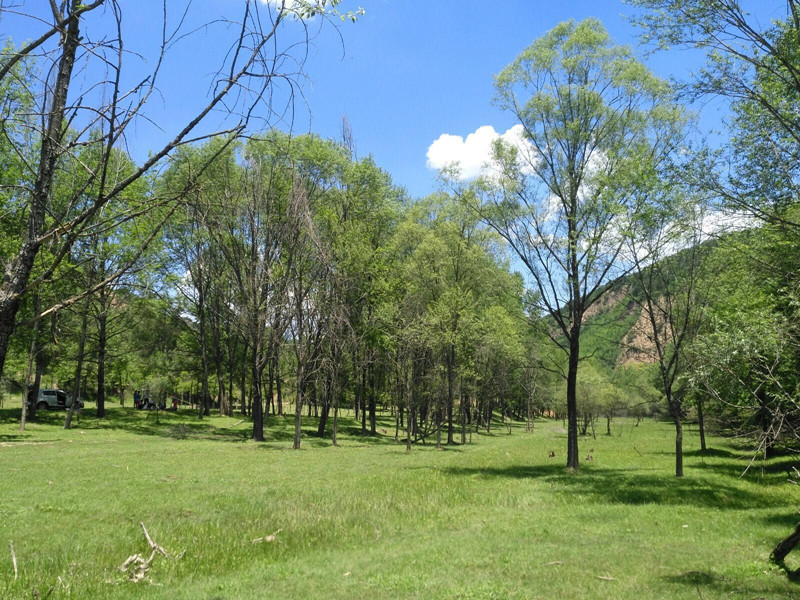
[{"x": 494, "y": 519}]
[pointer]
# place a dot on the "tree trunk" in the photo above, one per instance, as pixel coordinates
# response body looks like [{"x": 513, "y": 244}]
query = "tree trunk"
[
  {"x": 323, "y": 417},
  {"x": 276, "y": 358},
  {"x": 298, "y": 405},
  {"x": 102, "y": 340},
  {"x": 37, "y": 381},
  {"x": 372, "y": 402},
  {"x": 335, "y": 419},
  {"x": 78, "y": 371},
  {"x": 18, "y": 271},
  {"x": 438, "y": 417},
  {"x": 451, "y": 359},
  {"x": 32, "y": 391},
  {"x": 572, "y": 403},
  {"x": 676, "y": 418},
  {"x": 782, "y": 550},
  {"x": 463, "y": 403},
  {"x": 702, "y": 424},
  {"x": 216, "y": 337},
  {"x": 243, "y": 382},
  {"x": 363, "y": 401},
  {"x": 204, "y": 408},
  {"x": 270, "y": 388},
  {"x": 257, "y": 409}
]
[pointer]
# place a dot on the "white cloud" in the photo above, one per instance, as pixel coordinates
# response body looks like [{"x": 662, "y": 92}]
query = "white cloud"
[
  {"x": 718, "y": 222},
  {"x": 294, "y": 6},
  {"x": 473, "y": 154}
]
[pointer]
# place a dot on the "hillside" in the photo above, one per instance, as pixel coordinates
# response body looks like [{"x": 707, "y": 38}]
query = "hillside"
[{"x": 617, "y": 331}]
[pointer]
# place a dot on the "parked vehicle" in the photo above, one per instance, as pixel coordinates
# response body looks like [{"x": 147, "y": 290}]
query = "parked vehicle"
[{"x": 52, "y": 399}]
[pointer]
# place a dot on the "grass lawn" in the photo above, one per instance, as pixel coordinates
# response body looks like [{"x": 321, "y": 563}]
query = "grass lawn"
[{"x": 494, "y": 519}]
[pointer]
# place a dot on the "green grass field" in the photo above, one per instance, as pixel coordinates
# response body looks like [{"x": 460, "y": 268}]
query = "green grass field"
[{"x": 494, "y": 519}]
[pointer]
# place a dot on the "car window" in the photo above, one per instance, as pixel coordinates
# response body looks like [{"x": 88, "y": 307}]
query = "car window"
[
  {"x": 49, "y": 393},
  {"x": 62, "y": 397}
]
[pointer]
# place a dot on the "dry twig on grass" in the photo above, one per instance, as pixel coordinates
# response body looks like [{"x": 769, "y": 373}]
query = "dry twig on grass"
[
  {"x": 13, "y": 558},
  {"x": 136, "y": 566}
]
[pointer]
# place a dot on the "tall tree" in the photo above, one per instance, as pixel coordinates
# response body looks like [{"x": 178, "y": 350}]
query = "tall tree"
[
  {"x": 102, "y": 108},
  {"x": 667, "y": 292},
  {"x": 595, "y": 123}
]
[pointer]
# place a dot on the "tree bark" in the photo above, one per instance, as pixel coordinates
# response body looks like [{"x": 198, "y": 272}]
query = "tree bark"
[
  {"x": 451, "y": 359},
  {"x": 335, "y": 419},
  {"x": 257, "y": 410},
  {"x": 18, "y": 271},
  {"x": 32, "y": 391},
  {"x": 243, "y": 382},
  {"x": 373, "y": 392},
  {"x": 702, "y": 424},
  {"x": 326, "y": 406},
  {"x": 276, "y": 358},
  {"x": 463, "y": 403},
  {"x": 270, "y": 386},
  {"x": 204, "y": 400},
  {"x": 102, "y": 340},
  {"x": 782, "y": 550},
  {"x": 572, "y": 404},
  {"x": 76, "y": 390},
  {"x": 298, "y": 405},
  {"x": 676, "y": 418}
]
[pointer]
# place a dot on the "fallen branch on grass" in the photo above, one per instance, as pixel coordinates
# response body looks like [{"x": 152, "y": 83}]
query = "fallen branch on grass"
[
  {"x": 13, "y": 558},
  {"x": 136, "y": 566}
]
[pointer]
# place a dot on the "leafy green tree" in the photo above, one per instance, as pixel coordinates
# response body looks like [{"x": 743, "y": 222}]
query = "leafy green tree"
[
  {"x": 111, "y": 98},
  {"x": 743, "y": 362},
  {"x": 755, "y": 66},
  {"x": 666, "y": 289},
  {"x": 597, "y": 126}
]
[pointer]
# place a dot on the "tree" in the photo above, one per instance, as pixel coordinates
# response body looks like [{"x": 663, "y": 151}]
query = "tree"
[
  {"x": 743, "y": 361},
  {"x": 102, "y": 106},
  {"x": 755, "y": 67},
  {"x": 667, "y": 291},
  {"x": 596, "y": 125}
]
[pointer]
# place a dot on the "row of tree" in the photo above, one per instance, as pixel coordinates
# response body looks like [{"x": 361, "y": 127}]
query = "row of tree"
[{"x": 242, "y": 269}]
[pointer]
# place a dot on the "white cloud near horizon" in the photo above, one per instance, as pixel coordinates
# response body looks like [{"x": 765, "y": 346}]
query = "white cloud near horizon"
[{"x": 473, "y": 154}]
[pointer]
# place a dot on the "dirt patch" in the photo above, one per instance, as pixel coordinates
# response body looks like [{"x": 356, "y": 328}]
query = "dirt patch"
[
  {"x": 638, "y": 347},
  {"x": 12, "y": 444},
  {"x": 605, "y": 303}
]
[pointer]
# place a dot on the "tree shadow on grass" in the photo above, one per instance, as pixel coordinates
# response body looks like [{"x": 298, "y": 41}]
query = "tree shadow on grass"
[
  {"x": 712, "y": 453},
  {"x": 772, "y": 472},
  {"x": 722, "y": 586},
  {"x": 631, "y": 487},
  {"x": 185, "y": 425},
  {"x": 164, "y": 424},
  {"x": 786, "y": 519}
]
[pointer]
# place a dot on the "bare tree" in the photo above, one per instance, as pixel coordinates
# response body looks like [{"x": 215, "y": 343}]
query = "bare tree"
[
  {"x": 98, "y": 109},
  {"x": 665, "y": 248}
]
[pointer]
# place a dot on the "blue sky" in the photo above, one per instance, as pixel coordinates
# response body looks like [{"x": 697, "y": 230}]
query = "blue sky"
[
  {"x": 415, "y": 70},
  {"x": 406, "y": 73}
]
